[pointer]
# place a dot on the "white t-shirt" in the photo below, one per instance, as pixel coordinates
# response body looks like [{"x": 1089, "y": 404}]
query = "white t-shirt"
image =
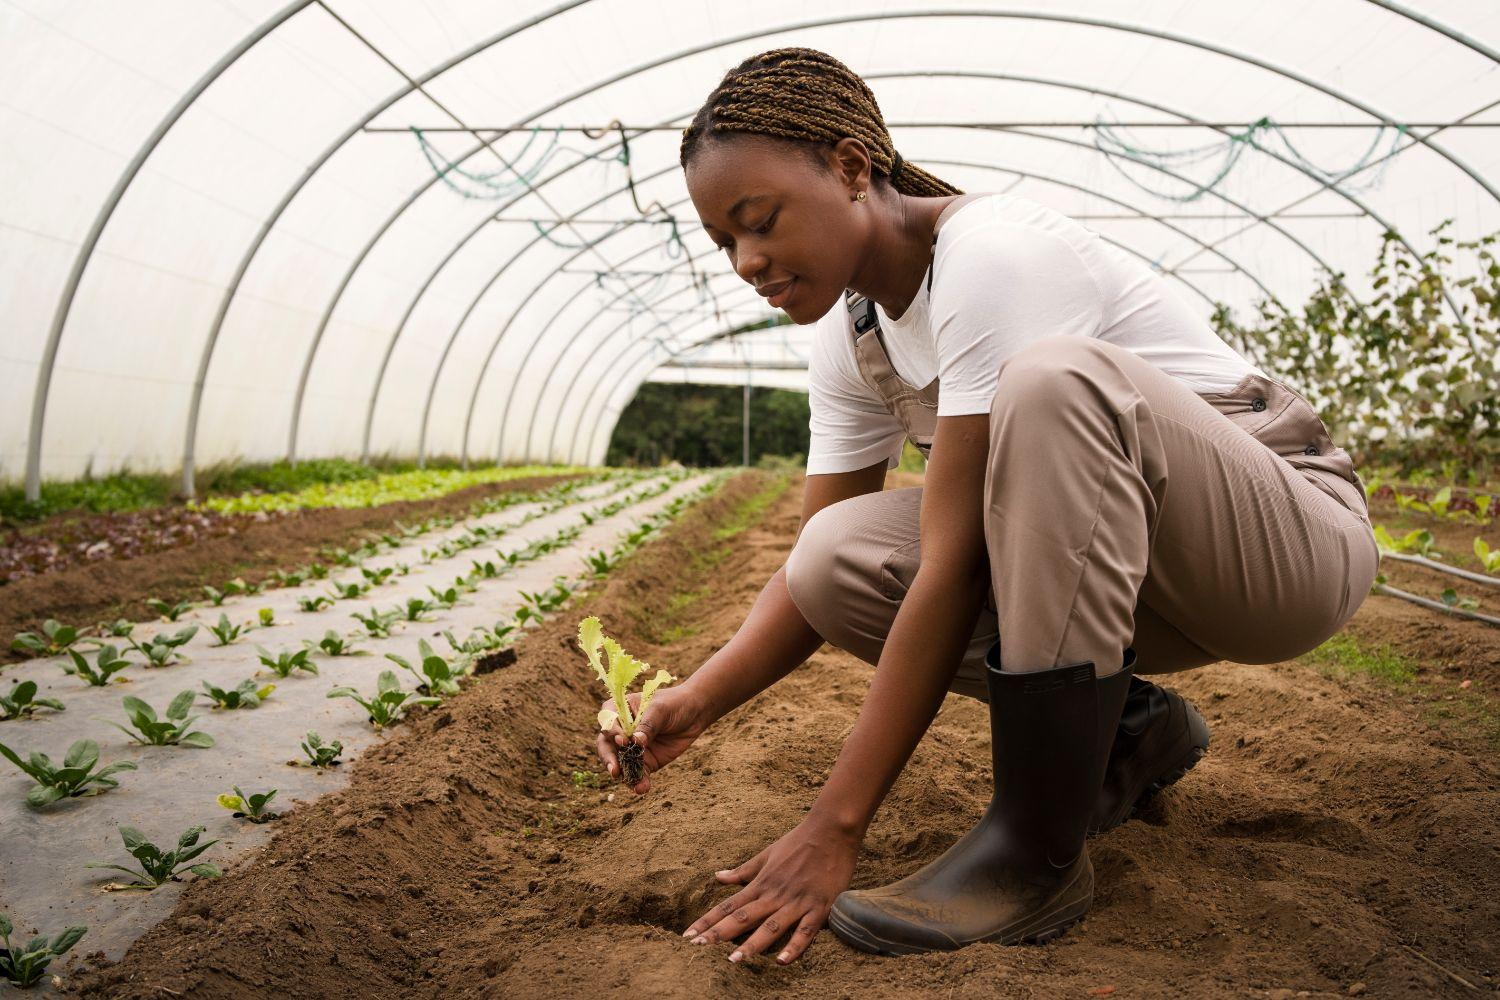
[{"x": 1009, "y": 271}]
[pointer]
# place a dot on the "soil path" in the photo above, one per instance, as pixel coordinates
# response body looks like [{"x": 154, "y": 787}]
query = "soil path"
[{"x": 1339, "y": 839}]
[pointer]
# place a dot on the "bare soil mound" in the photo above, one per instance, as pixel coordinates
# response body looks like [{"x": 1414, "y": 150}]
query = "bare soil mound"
[{"x": 1340, "y": 837}]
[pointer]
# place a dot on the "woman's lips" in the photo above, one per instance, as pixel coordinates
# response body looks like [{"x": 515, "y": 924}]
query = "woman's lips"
[{"x": 779, "y": 299}]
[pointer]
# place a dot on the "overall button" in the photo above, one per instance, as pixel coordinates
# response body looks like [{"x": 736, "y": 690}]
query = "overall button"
[
  {"x": 1311, "y": 449},
  {"x": 1258, "y": 404}
]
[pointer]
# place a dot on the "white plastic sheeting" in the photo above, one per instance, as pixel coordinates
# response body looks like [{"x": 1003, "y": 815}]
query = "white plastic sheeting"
[{"x": 209, "y": 250}]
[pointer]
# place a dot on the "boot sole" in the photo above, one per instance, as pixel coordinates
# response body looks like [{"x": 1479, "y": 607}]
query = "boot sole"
[
  {"x": 1053, "y": 924},
  {"x": 1199, "y": 734}
]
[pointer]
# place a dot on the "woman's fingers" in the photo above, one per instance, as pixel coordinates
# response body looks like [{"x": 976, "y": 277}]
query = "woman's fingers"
[
  {"x": 719, "y": 912},
  {"x": 745, "y": 872},
  {"x": 770, "y": 930},
  {"x": 606, "y": 748},
  {"x": 803, "y": 935},
  {"x": 738, "y": 919}
]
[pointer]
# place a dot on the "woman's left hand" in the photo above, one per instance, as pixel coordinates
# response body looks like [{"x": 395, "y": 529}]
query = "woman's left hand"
[{"x": 791, "y": 887}]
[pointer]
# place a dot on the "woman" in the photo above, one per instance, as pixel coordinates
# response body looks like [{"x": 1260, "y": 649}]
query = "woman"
[{"x": 1110, "y": 490}]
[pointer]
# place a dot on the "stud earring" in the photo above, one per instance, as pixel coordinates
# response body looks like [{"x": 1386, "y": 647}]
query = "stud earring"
[{"x": 860, "y": 196}]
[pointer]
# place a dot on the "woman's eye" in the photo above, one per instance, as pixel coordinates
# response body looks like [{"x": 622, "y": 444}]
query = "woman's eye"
[{"x": 767, "y": 227}]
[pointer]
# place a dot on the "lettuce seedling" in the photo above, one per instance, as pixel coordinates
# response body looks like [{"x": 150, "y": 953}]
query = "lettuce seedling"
[
  {"x": 161, "y": 649},
  {"x": 24, "y": 965},
  {"x": 266, "y": 617},
  {"x": 623, "y": 668},
  {"x": 443, "y": 598},
  {"x": 315, "y": 603},
  {"x": 171, "y": 612},
  {"x": 107, "y": 663},
  {"x": 22, "y": 700},
  {"x": 214, "y": 595},
  {"x": 283, "y": 664},
  {"x": 173, "y": 730},
  {"x": 249, "y": 694},
  {"x": 415, "y": 608},
  {"x": 55, "y": 637},
  {"x": 292, "y": 578},
  {"x": 226, "y": 631},
  {"x": 118, "y": 629},
  {"x": 377, "y": 624},
  {"x": 333, "y": 644},
  {"x": 376, "y": 577},
  {"x": 349, "y": 591},
  {"x": 389, "y": 702},
  {"x": 251, "y": 807},
  {"x": 436, "y": 677},
  {"x": 317, "y": 571},
  {"x": 70, "y": 780},
  {"x": 319, "y": 753},
  {"x": 158, "y": 867}
]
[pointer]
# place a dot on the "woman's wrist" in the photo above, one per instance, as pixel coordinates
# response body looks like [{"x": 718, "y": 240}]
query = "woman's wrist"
[{"x": 847, "y": 824}]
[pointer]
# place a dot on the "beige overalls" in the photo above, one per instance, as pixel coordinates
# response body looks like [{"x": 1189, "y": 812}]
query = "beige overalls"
[{"x": 1122, "y": 509}]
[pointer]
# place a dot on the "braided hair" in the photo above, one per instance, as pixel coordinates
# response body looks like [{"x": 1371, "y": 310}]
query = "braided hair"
[{"x": 812, "y": 100}]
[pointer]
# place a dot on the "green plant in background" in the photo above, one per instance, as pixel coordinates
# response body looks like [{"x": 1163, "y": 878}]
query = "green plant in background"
[
  {"x": 377, "y": 577},
  {"x": 436, "y": 676},
  {"x": 107, "y": 663},
  {"x": 622, "y": 669},
  {"x": 389, "y": 701},
  {"x": 377, "y": 624},
  {"x": 54, "y": 638},
  {"x": 314, "y": 603},
  {"x": 445, "y": 598},
  {"x": 350, "y": 591},
  {"x": 76, "y": 777},
  {"x": 333, "y": 644},
  {"x": 251, "y": 807},
  {"x": 1452, "y": 599},
  {"x": 22, "y": 700},
  {"x": 173, "y": 730},
  {"x": 321, "y": 754},
  {"x": 24, "y": 965},
  {"x": 290, "y": 577},
  {"x": 266, "y": 617},
  {"x": 226, "y": 631},
  {"x": 117, "y": 629},
  {"x": 249, "y": 694},
  {"x": 284, "y": 663},
  {"x": 415, "y": 608},
  {"x": 158, "y": 867},
  {"x": 171, "y": 612},
  {"x": 1490, "y": 560},
  {"x": 162, "y": 649}
]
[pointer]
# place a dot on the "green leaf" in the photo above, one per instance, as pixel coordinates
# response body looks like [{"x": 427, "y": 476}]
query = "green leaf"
[
  {"x": 180, "y": 705},
  {"x": 202, "y": 740}
]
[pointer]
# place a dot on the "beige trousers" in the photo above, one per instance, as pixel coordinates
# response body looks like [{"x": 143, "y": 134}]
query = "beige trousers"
[{"x": 1122, "y": 509}]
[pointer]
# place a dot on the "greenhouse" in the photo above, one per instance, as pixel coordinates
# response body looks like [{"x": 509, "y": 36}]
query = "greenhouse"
[{"x": 421, "y": 423}]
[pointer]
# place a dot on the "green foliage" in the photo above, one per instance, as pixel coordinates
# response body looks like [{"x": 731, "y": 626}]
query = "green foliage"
[
  {"x": 377, "y": 624},
  {"x": 333, "y": 644},
  {"x": 284, "y": 663},
  {"x": 118, "y": 629},
  {"x": 266, "y": 617},
  {"x": 436, "y": 676},
  {"x": 107, "y": 663},
  {"x": 373, "y": 491},
  {"x": 703, "y": 425},
  {"x": 226, "y": 631},
  {"x": 54, "y": 638},
  {"x": 622, "y": 670},
  {"x": 321, "y": 754},
  {"x": 388, "y": 703},
  {"x": 251, "y": 807},
  {"x": 1490, "y": 560},
  {"x": 350, "y": 591},
  {"x": 162, "y": 649},
  {"x": 76, "y": 777},
  {"x": 171, "y": 612},
  {"x": 249, "y": 694},
  {"x": 24, "y": 965},
  {"x": 1342, "y": 654},
  {"x": 315, "y": 602},
  {"x": 174, "y": 729},
  {"x": 158, "y": 867},
  {"x": 22, "y": 700},
  {"x": 415, "y": 608}
]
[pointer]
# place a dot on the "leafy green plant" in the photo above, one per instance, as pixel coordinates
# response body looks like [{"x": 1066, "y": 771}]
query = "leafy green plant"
[
  {"x": 389, "y": 701},
  {"x": 1488, "y": 559},
  {"x": 117, "y": 629},
  {"x": 158, "y": 867},
  {"x": 445, "y": 598},
  {"x": 162, "y": 649},
  {"x": 284, "y": 663},
  {"x": 249, "y": 694},
  {"x": 377, "y": 624},
  {"x": 54, "y": 638},
  {"x": 24, "y": 965},
  {"x": 333, "y": 644},
  {"x": 415, "y": 608},
  {"x": 1452, "y": 599},
  {"x": 214, "y": 595},
  {"x": 436, "y": 676},
  {"x": 226, "y": 631},
  {"x": 172, "y": 730},
  {"x": 315, "y": 602},
  {"x": 22, "y": 700},
  {"x": 107, "y": 663},
  {"x": 266, "y": 617},
  {"x": 171, "y": 612},
  {"x": 617, "y": 676},
  {"x": 251, "y": 807},
  {"x": 599, "y": 563},
  {"x": 76, "y": 777},
  {"x": 290, "y": 578},
  {"x": 317, "y": 571},
  {"x": 350, "y": 591},
  {"x": 321, "y": 754},
  {"x": 376, "y": 577}
]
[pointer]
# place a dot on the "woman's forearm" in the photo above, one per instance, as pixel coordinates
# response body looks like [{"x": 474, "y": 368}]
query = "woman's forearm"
[
  {"x": 773, "y": 641},
  {"x": 923, "y": 651}
]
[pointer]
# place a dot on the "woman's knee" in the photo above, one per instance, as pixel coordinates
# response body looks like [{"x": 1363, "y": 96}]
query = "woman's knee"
[{"x": 1047, "y": 372}]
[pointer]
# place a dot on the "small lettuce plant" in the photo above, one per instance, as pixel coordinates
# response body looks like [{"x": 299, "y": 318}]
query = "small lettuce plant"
[
  {"x": 158, "y": 867},
  {"x": 76, "y": 777},
  {"x": 251, "y": 807},
  {"x": 249, "y": 694},
  {"x": 54, "y": 638},
  {"x": 172, "y": 730},
  {"x": 617, "y": 676},
  {"x": 23, "y": 965},
  {"x": 284, "y": 663},
  {"x": 389, "y": 702},
  {"x": 107, "y": 663},
  {"x": 22, "y": 701},
  {"x": 319, "y": 754},
  {"x": 436, "y": 676}
]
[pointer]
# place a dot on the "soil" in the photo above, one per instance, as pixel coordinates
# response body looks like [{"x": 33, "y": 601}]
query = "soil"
[
  {"x": 118, "y": 588},
  {"x": 1340, "y": 837}
]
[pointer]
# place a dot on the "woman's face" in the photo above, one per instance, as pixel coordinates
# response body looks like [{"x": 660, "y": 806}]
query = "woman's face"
[{"x": 778, "y": 217}]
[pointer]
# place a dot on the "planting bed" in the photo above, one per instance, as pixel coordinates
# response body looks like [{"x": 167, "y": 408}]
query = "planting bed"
[{"x": 1339, "y": 839}]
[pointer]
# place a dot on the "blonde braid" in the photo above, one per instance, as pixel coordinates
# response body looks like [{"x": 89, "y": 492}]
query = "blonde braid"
[{"x": 811, "y": 98}]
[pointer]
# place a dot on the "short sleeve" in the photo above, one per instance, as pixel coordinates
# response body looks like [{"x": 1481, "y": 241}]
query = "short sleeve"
[
  {"x": 997, "y": 288},
  {"x": 849, "y": 427}
]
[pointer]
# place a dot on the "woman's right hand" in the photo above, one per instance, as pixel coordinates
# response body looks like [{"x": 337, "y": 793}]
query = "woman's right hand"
[{"x": 674, "y": 718}]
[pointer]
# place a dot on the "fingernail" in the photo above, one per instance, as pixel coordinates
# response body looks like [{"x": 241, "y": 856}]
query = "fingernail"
[
  {"x": 687, "y": 932},
  {"x": 736, "y": 957},
  {"x": 722, "y": 871},
  {"x": 783, "y": 956},
  {"x": 700, "y": 939}
]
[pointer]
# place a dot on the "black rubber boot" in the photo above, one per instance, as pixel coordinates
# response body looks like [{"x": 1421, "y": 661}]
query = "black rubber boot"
[
  {"x": 1023, "y": 872},
  {"x": 1159, "y": 739}
]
